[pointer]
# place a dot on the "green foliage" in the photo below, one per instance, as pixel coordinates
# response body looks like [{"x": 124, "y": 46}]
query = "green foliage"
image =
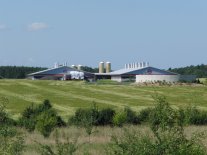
[
  {"x": 199, "y": 70},
  {"x": 46, "y": 122},
  {"x": 89, "y": 69},
  {"x": 105, "y": 116},
  {"x": 60, "y": 148},
  {"x": 131, "y": 116},
  {"x": 192, "y": 115},
  {"x": 83, "y": 116},
  {"x": 41, "y": 117},
  {"x": 145, "y": 114},
  {"x": 12, "y": 142},
  {"x": 168, "y": 136},
  {"x": 4, "y": 118},
  {"x": 119, "y": 118},
  {"x": 15, "y": 72}
]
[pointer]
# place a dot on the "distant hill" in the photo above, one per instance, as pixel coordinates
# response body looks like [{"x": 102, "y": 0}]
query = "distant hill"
[
  {"x": 17, "y": 72},
  {"x": 199, "y": 70}
]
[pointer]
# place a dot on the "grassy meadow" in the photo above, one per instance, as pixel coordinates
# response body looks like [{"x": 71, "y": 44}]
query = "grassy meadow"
[
  {"x": 99, "y": 140},
  {"x": 67, "y": 96}
]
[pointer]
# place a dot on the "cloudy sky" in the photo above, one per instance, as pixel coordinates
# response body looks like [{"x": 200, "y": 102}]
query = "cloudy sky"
[{"x": 42, "y": 32}]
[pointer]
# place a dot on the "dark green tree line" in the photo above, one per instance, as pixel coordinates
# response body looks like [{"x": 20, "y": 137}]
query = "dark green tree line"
[{"x": 17, "y": 72}]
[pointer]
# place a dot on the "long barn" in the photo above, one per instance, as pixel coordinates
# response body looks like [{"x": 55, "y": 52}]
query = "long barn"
[{"x": 142, "y": 72}]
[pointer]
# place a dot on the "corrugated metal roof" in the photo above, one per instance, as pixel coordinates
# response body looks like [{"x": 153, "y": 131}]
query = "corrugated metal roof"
[
  {"x": 58, "y": 68},
  {"x": 136, "y": 71}
]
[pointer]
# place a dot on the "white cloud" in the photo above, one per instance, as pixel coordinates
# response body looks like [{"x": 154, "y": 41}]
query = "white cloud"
[
  {"x": 37, "y": 26},
  {"x": 2, "y": 27}
]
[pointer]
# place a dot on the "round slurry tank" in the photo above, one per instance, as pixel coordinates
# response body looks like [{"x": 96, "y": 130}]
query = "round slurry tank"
[
  {"x": 101, "y": 67},
  {"x": 108, "y": 67}
]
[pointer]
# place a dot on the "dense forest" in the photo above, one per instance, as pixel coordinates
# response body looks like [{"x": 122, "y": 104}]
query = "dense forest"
[
  {"x": 199, "y": 70},
  {"x": 15, "y": 72}
]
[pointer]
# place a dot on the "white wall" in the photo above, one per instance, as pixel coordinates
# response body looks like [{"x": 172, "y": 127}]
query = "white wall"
[
  {"x": 155, "y": 78},
  {"x": 116, "y": 78}
]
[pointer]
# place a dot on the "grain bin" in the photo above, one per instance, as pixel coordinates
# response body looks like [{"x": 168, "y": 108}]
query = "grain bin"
[
  {"x": 79, "y": 67},
  {"x": 108, "y": 67},
  {"x": 101, "y": 67}
]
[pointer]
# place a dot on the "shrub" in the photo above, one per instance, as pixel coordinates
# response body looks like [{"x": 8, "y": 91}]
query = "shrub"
[
  {"x": 106, "y": 116},
  {"x": 193, "y": 115},
  {"x": 4, "y": 118},
  {"x": 12, "y": 142},
  {"x": 145, "y": 114},
  {"x": 119, "y": 119},
  {"x": 46, "y": 122},
  {"x": 85, "y": 115},
  {"x": 168, "y": 136},
  {"x": 131, "y": 116},
  {"x": 33, "y": 117},
  {"x": 28, "y": 124}
]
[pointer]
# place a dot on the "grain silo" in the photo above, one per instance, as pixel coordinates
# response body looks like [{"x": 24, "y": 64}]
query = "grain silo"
[
  {"x": 108, "y": 67},
  {"x": 79, "y": 67},
  {"x": 101, "y": 67}
]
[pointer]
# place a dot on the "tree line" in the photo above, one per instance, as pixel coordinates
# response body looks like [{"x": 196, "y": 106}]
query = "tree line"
[
  {"x": 17, "y": 72},
  {"x": 20, "y": 72},
  {"x": 199, "y": 70}
]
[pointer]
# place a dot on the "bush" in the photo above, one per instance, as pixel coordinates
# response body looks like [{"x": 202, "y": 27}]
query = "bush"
[
  {"x": 119, "y": 119},
  {"x": 106, "y": 117},
  {"x": 168, "y": 136},
  {"x": 46, "y": 122},
  {"x": 12, "y": 142},
  {"x": 85, "y": 115},
  {"x": 145, "y": 114},
  {"x": 193, "y": 115},
  {"x": 4, "y": 118},
  {"x": 131, "y": 116},
  {"x": 43, "y": 117}
]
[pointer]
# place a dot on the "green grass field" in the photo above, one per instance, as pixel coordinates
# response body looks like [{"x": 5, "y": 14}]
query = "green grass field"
[{"x": 67, "y": 96}]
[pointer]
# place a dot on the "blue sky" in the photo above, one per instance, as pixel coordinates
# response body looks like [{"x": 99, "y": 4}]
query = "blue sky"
[{"x": 163, "y": 32}]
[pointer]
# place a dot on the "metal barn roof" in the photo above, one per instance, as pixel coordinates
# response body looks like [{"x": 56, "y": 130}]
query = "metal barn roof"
[{"x": 139, "y": 71}]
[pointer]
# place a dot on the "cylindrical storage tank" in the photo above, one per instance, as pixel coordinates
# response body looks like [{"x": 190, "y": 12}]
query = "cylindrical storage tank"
[
  {"x": 108, "y": 67},
  {"x": 79, "y": 67},
  {"x": 101, "y": 67}
]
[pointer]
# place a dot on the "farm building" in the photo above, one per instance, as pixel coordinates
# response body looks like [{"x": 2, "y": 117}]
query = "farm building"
[
  {"x": 61, "y": 72},
  {"x": 134, "y": 72},
  {"x": 142, "y": 72}
]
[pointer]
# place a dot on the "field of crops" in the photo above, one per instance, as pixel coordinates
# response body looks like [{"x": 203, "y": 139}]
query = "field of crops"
[{"x": 67, "y": 96}]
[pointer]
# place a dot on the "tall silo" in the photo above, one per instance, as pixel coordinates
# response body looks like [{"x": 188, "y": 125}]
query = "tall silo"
[
  {"x": 79, "y": 67},
  {"x": 101, "y": 67},
  {"x": 108, "y": 67}
]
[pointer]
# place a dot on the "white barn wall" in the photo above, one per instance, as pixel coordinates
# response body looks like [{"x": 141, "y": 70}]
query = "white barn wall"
[
  {"x": 154, "y": 78},
  {"x": 116, "y": 78}
]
